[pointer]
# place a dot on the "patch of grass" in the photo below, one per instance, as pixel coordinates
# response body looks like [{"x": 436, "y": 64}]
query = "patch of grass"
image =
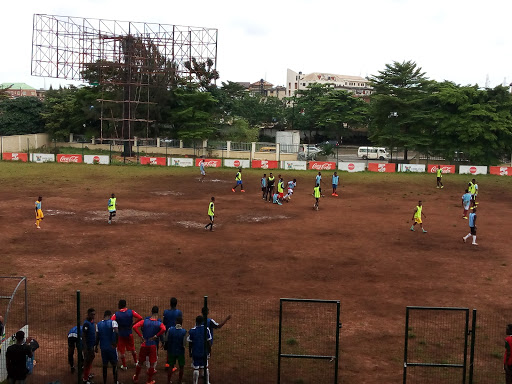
[
  {"x": 41, "y": 276},
  {"x": 292, "y": 341},
  {"x": 497, "y": 354}
]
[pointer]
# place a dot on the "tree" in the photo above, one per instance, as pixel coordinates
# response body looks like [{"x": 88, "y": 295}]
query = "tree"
[
  {"x": 396, "y": 106},
  {"x": 21, "y": 116},
  {"x": 62, "y": 114}
]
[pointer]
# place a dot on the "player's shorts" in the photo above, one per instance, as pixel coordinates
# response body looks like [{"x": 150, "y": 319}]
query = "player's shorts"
[
  {"x": 171, "y": 360},
  {"x": 334, "y": 186},
  {"x": 109, "y": 355},
  {"x": 203, "y": 173},
  {"x": 199, "y": 362},
  {"x": 473, "y": 230},
  {"x": 73, "y": 342},
  {"x": 466, "y": 206},
  {"x": 148, "y": 351},
  {"x": 211, "y": 218},
  {"x": 438, "y": 179},
  {"x": 238, "y": 182},
  {"x": 418, "y": 220},
  {"x": 112, "y": 212},
  {"x": 125, "y": 343},
  {"x": 263, "y": 189},
  {"x": 39, "y": 214},
  {"x": 280, "y": 195},
  {"x": 290, "y": 191}
]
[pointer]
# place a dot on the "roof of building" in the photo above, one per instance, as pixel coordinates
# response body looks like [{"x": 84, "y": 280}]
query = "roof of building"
[
  {"x": 244, "y": 84},
  {"x": 258, "y": 84},
  {"x": 318, "y": 76},
  {"x": 16, "y": 86}
]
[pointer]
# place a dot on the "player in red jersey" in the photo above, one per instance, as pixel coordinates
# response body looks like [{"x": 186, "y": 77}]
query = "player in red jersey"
[{"x": 124, "y": 318}]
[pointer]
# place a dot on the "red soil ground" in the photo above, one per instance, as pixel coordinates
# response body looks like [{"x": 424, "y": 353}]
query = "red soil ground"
[{"x": 357, "y": 249}]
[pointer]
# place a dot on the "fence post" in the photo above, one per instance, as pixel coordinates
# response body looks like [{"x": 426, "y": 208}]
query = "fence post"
[
  {"x": 472, "y": 349},
  {"x": 79, "y": 336},
  {"x": 205, "y": 315},
  {"x": 28, "y": 149},
  {"x": 110, "y": 154}
]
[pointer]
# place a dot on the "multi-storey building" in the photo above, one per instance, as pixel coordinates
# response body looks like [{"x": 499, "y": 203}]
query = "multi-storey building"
[{"x": 15, "y": 90}]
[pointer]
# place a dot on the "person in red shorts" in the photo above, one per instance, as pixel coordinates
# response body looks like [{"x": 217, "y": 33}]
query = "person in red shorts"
[
  {"x": 124, "y": 318},
  {"x": 152, "y": 328},
  {"x": 507, "y": 358}
]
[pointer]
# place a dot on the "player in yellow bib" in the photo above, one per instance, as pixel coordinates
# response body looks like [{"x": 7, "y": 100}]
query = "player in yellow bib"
[
  {"x": 238, "y": 179},
  {"x": 111, "y": 208},
  {"x": 39, "y": 212},
  {"x": 211, "y": 214},
  {"x": 317, "y": 192},
  {"x": 439, "y": 174},
  {"x": 416, "y": 217}
]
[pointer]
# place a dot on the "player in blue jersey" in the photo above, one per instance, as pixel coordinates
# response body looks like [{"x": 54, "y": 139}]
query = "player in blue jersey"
[
  {"x": 291, "y": 187},
  {"x": 88, "y": 342},
  {"x": 472, "y": 227},
  {"x": 175, "y": 345},
  {"x": 124, "y": 318},
  {"x": 202, "y": 169},
  {"x": 335, "y": 181},
  {"x": 152, "y": 329},
  {"x": 73, "y": 343},
  {"x": 466, "y": 202},
  {"x": 264, "y": 190},
  {"x": 212, "y": 324},
  {"x": 170, "y": 315},
  {"x": 198, "y": 351},
  {"x": 107, "y": 336},
  {"x": 318, "y": 179}
]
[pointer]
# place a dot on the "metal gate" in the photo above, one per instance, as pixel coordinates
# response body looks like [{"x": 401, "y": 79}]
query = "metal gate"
[
  {"x": 309, "y": 329},
  {"x": 436, "y": 345}
]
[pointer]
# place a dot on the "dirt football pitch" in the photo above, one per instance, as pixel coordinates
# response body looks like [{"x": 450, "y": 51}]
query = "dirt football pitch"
[{"x": 357, "y": 248}]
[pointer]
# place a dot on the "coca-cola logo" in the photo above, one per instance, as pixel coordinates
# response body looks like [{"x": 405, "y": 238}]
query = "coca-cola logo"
[
  {"x": 69, "y": 159},
  {"x": 236, "y": 163},
  {"x": 321, "y": 166},
  {"x": 211, "y": 163},
  {"x": 433, "y": 169},
  {"x": 472, "y": 170},
  {"x": 351, "y": 167}
]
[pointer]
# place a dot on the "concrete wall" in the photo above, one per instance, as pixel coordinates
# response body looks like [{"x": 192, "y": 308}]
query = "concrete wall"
[{"x": 20, "y": 143}]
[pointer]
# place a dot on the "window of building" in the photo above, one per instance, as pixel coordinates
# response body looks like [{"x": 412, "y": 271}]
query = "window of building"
[
  {"x": 289, "y": 85},
  {"x": 295, "y": 85}
]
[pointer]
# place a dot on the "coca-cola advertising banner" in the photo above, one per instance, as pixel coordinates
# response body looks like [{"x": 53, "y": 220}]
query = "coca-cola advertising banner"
[
  {"x": 180, "y": 162},
  {"x": 96, "y": 159},
  {"x": 500, "y": 171},
  {"x": 69, "y": 158},
  {"x": 432, "y": 168},
  {"x": 15, "y": 156},
  {"x": 381, "y": 167},
  {"x": 216, "y": 163},
  {"x": 294, "y": 165},
  {"x": 473, "y": 169},
  {"x": 351, "y": 167},
  {"x": 265, "y": 164},
  {"x": 42, "y": 157},
  {"x": 237, "y": 163},
  {"x": 146, "y": 160},
  {"x": 322, "y": 165}
]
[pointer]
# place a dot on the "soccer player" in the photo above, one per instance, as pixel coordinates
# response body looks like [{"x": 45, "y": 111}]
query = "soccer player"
[
  {"x": 439, "y": 174},
  {"x": 88, "y": 342},
  {"x": 39, "y": 212},
  {"x": 317, "y": 192},
  {"x": 107, "y": 336},
  {"x": 416, "y": 217},
  {"x": 211, "y": 213},
  {"x": 198, "y": 351},
  {"x": 280, "y": 190},
  {"x": 335, "y": 180},
  {"x": 16, "y": 359},
  {"x": 475, "y": 187},
  {"x": 472, "y": 190},
  {"x": 212, "y": 324},
  {"x": 170, "y": 315},
  {"x": 152, "y": 328},
  {"x": 270, "y": 187},
  {"x": 507, "y": 358},
  {"x": 291, "y": 186},
  {"x": 202, "y": 169},
  {"x": 472, "y": 227},
  {"x": 73, "y": 344},
  {"x": 175, "y": 345},
  {"x": 238, "y": 179},
  {"x": 466, "y": 201},
  {"x": 318, "y": 179},
  {"x": 111, "y": 208},
  {"x": 124, "y": 318},
  {"x": 264, "y": 186}
]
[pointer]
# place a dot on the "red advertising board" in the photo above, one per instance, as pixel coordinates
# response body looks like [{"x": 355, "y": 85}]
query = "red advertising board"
[
  {"x": 69, "y": 158},
  {"x": 432, "y": 168},
  {"x": 501, "y": 171},
  {"x": 216, "y": 163},
  {"x": 146, "y": 160},
  {"x": 265, "y": 164},
  {"x": 322, "y": 165},
  {"x": 13, "y": 156},
  {"x": 381, "y": 167}
]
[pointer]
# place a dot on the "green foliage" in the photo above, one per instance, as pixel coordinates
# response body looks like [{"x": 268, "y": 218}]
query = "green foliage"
[
  {"x": 21, "y": 116},
  {"x": 239, "y": 130}
]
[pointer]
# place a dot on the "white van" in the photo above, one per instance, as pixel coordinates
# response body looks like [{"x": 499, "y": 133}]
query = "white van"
[{"x": 372, "y": 153}]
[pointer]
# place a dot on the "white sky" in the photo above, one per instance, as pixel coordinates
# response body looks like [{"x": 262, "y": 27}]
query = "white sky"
[{"x": 464, "y": 41}]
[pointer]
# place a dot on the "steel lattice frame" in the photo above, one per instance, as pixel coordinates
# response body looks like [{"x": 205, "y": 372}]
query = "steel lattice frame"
[{"x": 64, "y": 47}]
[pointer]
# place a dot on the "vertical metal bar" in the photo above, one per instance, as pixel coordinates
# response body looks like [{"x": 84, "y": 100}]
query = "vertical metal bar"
[
  {"x": 26, "y": 302},
  {"x": 79, "y": 336},
  {"x": 279, "y": 345},
  {"x": 336, "y": 362},
  {"x": 406, "y": 343},
  {"x": 472, "y": 350},
  {"x": 466, "y": 333},
  {"x": 205, "y": 314}
]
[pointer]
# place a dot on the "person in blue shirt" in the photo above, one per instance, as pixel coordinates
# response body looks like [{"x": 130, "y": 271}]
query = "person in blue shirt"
[
  {"x": 170, "y": 315},
  {"x": 318, "y": 179},
  {"x": 472, "y": 227},
  {"x": 466, "y": 202},
  {"x": 88, "y": 343},
  {"x": 175, "y": 345},
  {"x": 107, "y": 336},
  {"x": 264, "y": 186},
  {"x": 198, "y": 351},
  {"x": 202, "y": 169},
  {"x": 73, "y": 343},
  {"x": 335, "y": 180}
]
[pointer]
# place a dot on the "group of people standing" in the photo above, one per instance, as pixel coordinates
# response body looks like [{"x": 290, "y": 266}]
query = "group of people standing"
[{"x": 114, "y": 337}]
